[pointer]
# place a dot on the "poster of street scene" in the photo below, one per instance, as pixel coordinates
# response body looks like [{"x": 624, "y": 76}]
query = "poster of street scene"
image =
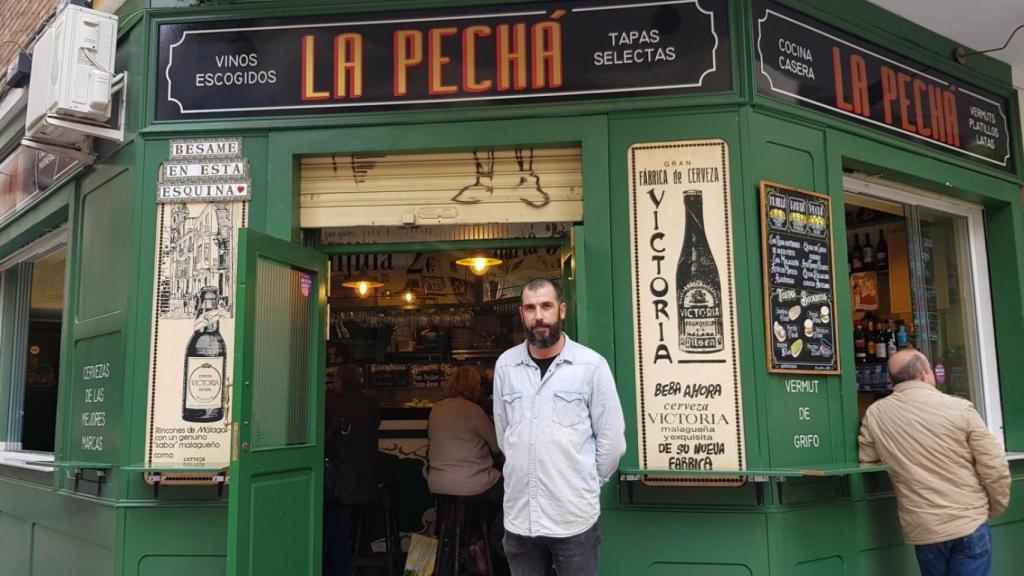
[{"x": 193, "y": 319}]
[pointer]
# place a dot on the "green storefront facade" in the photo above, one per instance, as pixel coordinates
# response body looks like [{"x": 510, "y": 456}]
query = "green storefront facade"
[{"x": 805, "y": 507}]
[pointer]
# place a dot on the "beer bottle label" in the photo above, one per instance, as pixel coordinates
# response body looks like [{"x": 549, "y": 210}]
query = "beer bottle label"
[
  {"x": 205, "y": 377},
  {"x": 700, "y": 319}
]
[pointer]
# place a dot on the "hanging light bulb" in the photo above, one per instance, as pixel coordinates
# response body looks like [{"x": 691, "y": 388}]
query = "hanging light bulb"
[
  {"x": 479, "y": 265},
  {"x": 362, "y": 287}
]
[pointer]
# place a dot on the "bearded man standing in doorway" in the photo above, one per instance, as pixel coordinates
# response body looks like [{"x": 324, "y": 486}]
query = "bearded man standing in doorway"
[{"x": 559, "y": 423}]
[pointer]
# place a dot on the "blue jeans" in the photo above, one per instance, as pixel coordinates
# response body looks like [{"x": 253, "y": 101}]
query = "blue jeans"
[
  {"x": 969, "y": 555},
  {"x": 571, "y": 556}
]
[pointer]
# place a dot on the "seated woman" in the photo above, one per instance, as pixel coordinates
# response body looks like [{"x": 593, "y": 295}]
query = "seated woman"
[{"x": 462, "y": 439}]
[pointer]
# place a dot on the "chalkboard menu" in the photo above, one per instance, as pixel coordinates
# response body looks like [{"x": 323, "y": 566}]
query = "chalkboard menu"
[{"x": 796, "y": 240}]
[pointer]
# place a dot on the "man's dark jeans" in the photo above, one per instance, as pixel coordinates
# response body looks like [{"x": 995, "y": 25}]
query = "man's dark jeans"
[
  {"x": 969, "y": 555},
  {"x": 572, "y": 556},
  {"x": 337, "y": 539}
]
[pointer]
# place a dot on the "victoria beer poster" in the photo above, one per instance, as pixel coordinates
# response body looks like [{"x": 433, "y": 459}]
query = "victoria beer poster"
[{"x": 684, "y": 307}]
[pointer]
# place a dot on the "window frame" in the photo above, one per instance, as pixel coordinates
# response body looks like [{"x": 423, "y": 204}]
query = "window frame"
[
  {"x": 989, "y": 405},
  {"x": 11, "y": 451}
]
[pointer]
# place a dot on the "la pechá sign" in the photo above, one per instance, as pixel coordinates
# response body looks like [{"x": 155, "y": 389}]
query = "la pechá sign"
[
  {"x": 472, "y": 56},
  {"x": 806, "y": 62}
]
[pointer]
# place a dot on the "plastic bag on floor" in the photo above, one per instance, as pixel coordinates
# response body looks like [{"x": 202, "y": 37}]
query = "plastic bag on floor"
[{"x": 420, "y": 561}]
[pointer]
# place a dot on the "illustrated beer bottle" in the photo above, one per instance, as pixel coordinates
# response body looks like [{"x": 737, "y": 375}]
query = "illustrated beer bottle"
[
  {"x": 205, "y": 361},
  {"x": 698, "y": 287}
]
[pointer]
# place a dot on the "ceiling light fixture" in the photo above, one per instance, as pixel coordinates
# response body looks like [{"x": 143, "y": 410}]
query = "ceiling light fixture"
[
  {"x": 479, "y": 265},
  {"x": 362, "y": 287}
]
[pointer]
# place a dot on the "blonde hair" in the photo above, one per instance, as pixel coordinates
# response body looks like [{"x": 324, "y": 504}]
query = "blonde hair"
[{"x": 464, "y": 382}]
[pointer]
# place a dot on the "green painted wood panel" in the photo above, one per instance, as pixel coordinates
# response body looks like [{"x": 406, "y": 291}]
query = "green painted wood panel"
[
  {"x": 16, "y": 536},
  {"x": 43, "y": 532},
  {"x": 803, "y": 415},
  {"x": 104, "y": 252},
  {"x": 177, "y": 565},
  {"x": 76, "y": 556},
  {"x": 663, "y": 543},
  {"x": 97, "y": 388},
  {"x": 175, "y": 539}
]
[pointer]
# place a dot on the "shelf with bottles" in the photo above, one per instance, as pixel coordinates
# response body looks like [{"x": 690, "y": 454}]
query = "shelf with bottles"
[
  {"x": 869, "y": 256},
  {"x": 875, "y": 340}
]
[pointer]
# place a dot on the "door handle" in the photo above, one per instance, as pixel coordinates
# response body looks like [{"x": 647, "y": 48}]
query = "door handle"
[{"x": 245, "y": 446}]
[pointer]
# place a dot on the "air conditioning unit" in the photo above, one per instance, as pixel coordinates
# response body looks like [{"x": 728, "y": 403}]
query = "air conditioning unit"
[{"x": 72, "y": 83}]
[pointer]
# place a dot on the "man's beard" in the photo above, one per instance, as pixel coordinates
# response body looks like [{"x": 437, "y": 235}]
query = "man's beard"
[{"x": 554, "y": 334}]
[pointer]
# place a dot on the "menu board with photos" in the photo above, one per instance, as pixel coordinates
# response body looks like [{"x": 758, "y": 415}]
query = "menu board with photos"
[{"x": 796, "y": 240}]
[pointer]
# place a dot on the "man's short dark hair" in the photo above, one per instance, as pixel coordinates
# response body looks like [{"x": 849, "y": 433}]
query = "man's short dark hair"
[
  {"x": 911, "y": 369},
  {"x": 539, "y": 283}
]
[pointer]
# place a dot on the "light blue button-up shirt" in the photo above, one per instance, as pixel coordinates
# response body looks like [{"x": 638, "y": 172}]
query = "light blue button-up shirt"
[{"x": 562, "y": 436}]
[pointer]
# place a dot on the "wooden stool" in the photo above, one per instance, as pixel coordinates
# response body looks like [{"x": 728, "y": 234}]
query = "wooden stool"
[
  {"x": 363, "y": 556},
  {"x": 454, "y": 523}
]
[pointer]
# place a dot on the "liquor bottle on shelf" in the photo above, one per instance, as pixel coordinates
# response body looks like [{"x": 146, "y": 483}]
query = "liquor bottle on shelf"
[
  {"x": 857, "y": 259},
  {"x": 869, "y": 338},
  {"x": 860, "y": 348},
  {"x": 698, "y": 286},
  {"x": 205, "y": 360},
  {"x": 868, "y": 253},
  {"x": 881, "y": 348},
  {"x": 882, "y": 252},
  {"x": 890, "y": 339}
]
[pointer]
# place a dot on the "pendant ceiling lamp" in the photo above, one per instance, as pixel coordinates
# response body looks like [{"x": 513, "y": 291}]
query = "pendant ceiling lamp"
[
  {"x": 479, "y": 265},
  {"x": 362, "y": 287}
]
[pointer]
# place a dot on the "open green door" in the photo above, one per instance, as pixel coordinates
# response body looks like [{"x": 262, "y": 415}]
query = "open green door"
[{"x": 275, "y": 503}]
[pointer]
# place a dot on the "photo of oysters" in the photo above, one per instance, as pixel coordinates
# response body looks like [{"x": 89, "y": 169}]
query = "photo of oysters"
[{"x": 780, "y": 331}]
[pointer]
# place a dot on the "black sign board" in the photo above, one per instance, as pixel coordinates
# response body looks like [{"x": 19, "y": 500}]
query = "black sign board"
[
  {"x": 811, "y": 64},
  {"x": 431, "y": 375},
  {"x": 388, "y": 376},
  {"x": 799, "y": 283},
  {"x": 486, "y": 55}
]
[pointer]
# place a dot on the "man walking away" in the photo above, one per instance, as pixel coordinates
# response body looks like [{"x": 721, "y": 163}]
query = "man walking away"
[
  {"x": 949, "y": 473},
  {"x": 559, "y": 423}
]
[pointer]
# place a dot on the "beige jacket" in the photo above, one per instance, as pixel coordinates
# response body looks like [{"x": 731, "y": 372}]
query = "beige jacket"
[
  {"x": 462, "y": 439},
  {"x": 949, "y": 473}
]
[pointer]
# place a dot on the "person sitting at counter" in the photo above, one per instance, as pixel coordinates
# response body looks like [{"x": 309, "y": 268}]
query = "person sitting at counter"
[
  {"x": 462, "y": 444},
  {"x": 462, "y": 441}
]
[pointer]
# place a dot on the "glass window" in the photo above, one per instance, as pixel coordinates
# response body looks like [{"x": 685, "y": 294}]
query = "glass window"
[
  {"x": 918, "y": 278},
  {"x": 42, "y": 364},
  {"x": 30, "y": 343},
  {"x": 27, "y": 174}
]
